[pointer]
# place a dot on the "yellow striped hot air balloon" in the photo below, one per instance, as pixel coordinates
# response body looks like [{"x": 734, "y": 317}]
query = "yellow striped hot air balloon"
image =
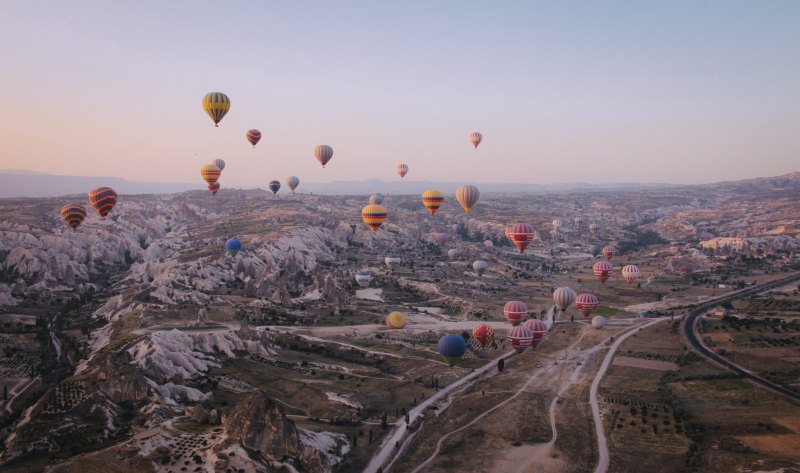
[
  {"x": 432, "y": 200},
  {"x": 467, "y": 196},
  {"x": 216, "y": 105},
  {"x": 210, "y": 173},
  {"x": 374, "y": 215},
  {"x": 396, "y": 320},
  {"x": 73, "y": 214}
]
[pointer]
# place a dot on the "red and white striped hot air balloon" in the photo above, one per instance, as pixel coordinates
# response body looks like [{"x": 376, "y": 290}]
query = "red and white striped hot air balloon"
[
  {"x": 402, "y": 169},
  {"x": 538, "y": 328},
  {"x": 630, "y": 273},
  {"x": 515, "y": 312},
  {"x": 609, "y": 252},
  {"x": 586, "y": 303},
  {"x": 520, "y": 338},
  {"x": 521, "y": 235},
  {"x": 564, "y": 297},
  {"x": 475, "y": 138},
  {"x": 602, "y": 270}
]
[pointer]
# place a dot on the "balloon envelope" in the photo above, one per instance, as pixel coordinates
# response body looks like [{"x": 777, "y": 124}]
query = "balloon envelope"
[
  {"x": 376, "y": 199},
  {"x": 515, "y": 312},
  {"x": 480, "y": 267},
  {"x": 586, "y": 303},
  {"x": 292, "y": 182},
  {"x": 564, "y": 297},
  {"x": 402, "y": 169},
  {"x": 598, "y": 321},
  {"x": 73, "y": 214},
  {"x": 374, "y": 216},
  {"x": 602, "y": 270},
  {"x": 396, "y": 320},
  {"x": 323, "y": 153},
  {"x": 253, "y": 136},
  {"x": 219, "y": 163},
  {"x": 274, "y": 186},
  {"x": 216, "y": 105},
  {"x": 103, "y": 199},
  {"x": 233, "y": 246},
  {"x": 521, "y": 235},
  {"x": 482, "y": 336},
  {"x": 520, "y": 338},
  {"x": 432, "y": 200},
  {"x": 467, "y": 196},
  {"x": 475, "y": 138},
  {"x": 452, "y": 347},
  {"x": 210, "y": 173}
]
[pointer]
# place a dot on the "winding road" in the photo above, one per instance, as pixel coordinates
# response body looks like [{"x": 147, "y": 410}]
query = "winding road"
[{"x": 690, "y": 334}]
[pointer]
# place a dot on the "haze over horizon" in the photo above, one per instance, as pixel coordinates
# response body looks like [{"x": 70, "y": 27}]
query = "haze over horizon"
[{"x": 679, "y": 93}]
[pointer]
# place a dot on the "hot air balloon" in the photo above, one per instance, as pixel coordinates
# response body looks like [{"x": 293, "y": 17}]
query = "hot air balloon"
[
  {"x": 453, "y": 253},
  {"x": 475, "y": 138},
  {"x": 216, "y": 105},
  {"x": 602, "y": 270},
  {"x": 213, "y": 188},
  {"x": 442, "y": 238},
  {"x": 609, "y": 252},
  {"x": 594, "y": 228},
  {"x": 482, "y": 336},
  {"x": 520, "y": 338},
  {"x": 396, "y": 320},
  {"x": 402, "y": 169},
  {"x": 324, "y": 153},
  {"x": 233, "y": 246},
  {"x": 564, "y": 297},
  {"x": 103, "y": 199},
  {"x": 515, "y": 312},
  {"x": 452, "y": 347},
  {"x": 292, "y": 182},
  {"x": 480, "y": 267},
  {"x": 73, "y": 214},
  {"x": 391, "y": 261},
  {"x": 374, "y": 216},
  {"x": 376, "y": 199},
  {"x": 586, "y": 303},
  {"x": 578, "y": 220},
  {"x": 219, "y": 163},
  {"x": 363, "y": 278},
  {"x": 210, "y": 173},
  {"x": 274, "y": 186},
  {"x": 685, "y": 271},
  {"x": 521, "y": 235},
  {"x": 253, "y": 136},
  {"x": 630, "y": 273},
  {"x": 488, "y": 244},
  {"x": 598, "y": 322},
  {"x": 432, "y": 200},
  {"x": 538, "y": 328},
  {"x": 557, "y": 224},
  {"x": 467, "y": 196}
]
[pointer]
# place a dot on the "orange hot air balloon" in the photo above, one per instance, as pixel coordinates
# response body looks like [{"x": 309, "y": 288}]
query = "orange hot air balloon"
[
  {"x": 432, "y": 200},
  {"x": 373, "y": 215}
]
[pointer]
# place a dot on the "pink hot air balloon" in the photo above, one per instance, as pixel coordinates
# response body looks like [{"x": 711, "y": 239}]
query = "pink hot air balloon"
[
  {"x": 602, "y": 270},
  {"x": 586, "y": 303},
  {"x": 515, "y": 312},
  {"x": 630, "y": 273},
  {"x": 442, "y": 238},
  {"x": 402, "y": 169},
  {"x": 520, "y": 338},
  {"x": 475, "y": 138},
  {"x": 609, "y": 252},
  {"x": 538, "y": 328}
]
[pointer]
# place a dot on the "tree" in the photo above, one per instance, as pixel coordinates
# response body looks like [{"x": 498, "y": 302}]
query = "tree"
[
  {"x": 501, "y": 363},
  {"x": 5, "y": 392}
]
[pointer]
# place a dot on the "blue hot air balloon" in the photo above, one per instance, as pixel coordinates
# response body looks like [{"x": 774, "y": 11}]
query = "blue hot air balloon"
[
  {"x": 233, "y": 246},
  {"x": 452, "y": 347}
]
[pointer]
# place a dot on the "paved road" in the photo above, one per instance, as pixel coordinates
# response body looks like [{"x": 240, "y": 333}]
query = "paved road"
[{"x": 694, "y": 341}]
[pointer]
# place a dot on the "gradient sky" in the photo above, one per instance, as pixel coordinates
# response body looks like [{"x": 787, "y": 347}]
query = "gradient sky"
[{"x": 600, "y": 91}]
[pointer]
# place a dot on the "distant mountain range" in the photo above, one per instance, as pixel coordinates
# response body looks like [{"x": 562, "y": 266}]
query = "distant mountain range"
[{"x": 21, "y": 183}]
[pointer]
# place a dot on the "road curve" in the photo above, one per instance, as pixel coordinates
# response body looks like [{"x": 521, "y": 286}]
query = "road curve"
[{"x": 689, "y": 333}]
